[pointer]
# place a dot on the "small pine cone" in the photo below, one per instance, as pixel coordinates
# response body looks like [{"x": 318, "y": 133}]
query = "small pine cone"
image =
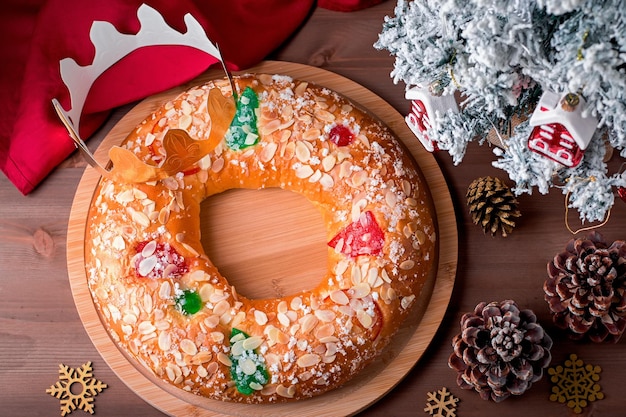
[
  {"x": 492, "y": 205},
  {"x": 500, "y": 351},
  {"x": 586, "y": 289}
]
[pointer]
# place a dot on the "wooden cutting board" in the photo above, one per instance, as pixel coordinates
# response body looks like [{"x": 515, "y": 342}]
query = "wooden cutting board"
[{"x": 255, "y": 233}]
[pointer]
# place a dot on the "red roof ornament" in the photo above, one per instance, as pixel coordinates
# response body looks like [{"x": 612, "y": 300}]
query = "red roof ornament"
[
  {"x": 561, "y": 130},
  {"x": 424, "y": 106}
]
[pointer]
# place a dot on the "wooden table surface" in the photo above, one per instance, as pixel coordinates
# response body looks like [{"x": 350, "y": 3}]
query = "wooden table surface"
[{"x": 40, "y": 327}]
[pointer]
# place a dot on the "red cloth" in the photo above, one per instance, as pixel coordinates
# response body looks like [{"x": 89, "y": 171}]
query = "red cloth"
[{"x": 36, "y": 34}]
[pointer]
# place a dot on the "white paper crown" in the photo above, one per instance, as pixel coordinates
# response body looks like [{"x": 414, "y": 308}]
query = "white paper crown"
[{"x": 111, "y": 46}]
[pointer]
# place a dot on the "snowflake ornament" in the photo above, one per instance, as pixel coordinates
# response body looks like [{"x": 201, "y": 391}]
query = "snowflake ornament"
[
  {"x": 441, "y": 403},
  {"x": 69, "y": 381},
  {"x": 575, "y": 383}
]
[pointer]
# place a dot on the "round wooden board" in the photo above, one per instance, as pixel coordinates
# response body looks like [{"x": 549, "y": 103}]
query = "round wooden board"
[{"x": 375, "y": 381}]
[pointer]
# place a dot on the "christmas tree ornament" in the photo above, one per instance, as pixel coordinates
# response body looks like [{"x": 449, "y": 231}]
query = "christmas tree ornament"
[
  {"x": 501, "y": 350},
  {"x": 492, "y": 205},
  {"x": 575, "y": 383},
  {"x": 425, "y": 104},
  {"x": 586, "y": 289},
  {"x": 441, "y": 403},
  {"x": 76, "y": 388},
  {"x": 500, "y": 57},
  {"x": 561, "y": 131}
]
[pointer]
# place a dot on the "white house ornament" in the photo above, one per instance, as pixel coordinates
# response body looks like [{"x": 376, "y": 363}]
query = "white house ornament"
[
  {"x": 424, "y": 107},
  {"x": 560, "y": 130}
]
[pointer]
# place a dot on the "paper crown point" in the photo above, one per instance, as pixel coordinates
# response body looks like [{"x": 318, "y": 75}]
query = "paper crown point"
[{"x": 111, "y": 46}]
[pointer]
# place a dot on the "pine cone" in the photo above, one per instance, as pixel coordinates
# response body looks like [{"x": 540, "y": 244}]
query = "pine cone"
[
  {"x": 586, "y": 289},
  {"x": 492, "y": 205},
  {"x": 500, "y": 351}
]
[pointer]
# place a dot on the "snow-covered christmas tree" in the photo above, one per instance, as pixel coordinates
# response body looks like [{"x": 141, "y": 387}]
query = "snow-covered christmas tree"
[{"x": 547, "y": 78}]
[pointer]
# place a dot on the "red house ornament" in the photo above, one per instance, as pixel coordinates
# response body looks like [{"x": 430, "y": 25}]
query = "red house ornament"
[
  {"x": 560, "y": 131},
  {"x": 424, "y": 106}
]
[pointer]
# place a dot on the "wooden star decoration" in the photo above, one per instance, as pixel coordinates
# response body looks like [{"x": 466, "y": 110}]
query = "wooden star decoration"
[
  {"x": 67, "y": 388},
  {"x": 575, "y": 383},
  {"x": 441, "y": 403}
]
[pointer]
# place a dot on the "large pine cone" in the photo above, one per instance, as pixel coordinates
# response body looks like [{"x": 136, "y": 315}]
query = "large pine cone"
[
  {"x": 492, "y": 205},
  {"x": 500, "y": 351},
  {"x": 586, "y": 289}
]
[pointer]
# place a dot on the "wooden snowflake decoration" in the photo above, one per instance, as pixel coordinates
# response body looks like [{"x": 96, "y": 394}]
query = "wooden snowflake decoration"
[
  {"x": 441, "y": 403},
  {"x": 76, "y": 388},
  {"x": 575, "y": 383}
]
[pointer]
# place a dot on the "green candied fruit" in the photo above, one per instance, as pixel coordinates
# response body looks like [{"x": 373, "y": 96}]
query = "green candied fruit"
[
  {"x": 243, "y": 131},
  {"x": 248, "y": 367},
  {"x": 189, "y": 302}
]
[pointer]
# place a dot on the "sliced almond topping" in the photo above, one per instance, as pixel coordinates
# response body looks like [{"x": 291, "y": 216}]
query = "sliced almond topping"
[
  {"x": 391, "y": 198},
  {"x": 252, "y": 342},
  {"x": 139, "y": 217},
  {"x": 360, "y": 290},
  {"x": 268, "y": 152},
  {"x": 260, "y": 317},
  {"x": 407, "y": 264},
  {"x": 317, "y": 175},
  {"x": 221, "y": 307},
  {"x": 164, "y": 341},
  {"x": 125, "y": 196},
  {"x": 212, "y": 368},
  {"x": 285, "y": 392},
  {"x": 325, "y": 315},
  {"x": 247, "y": 366},
  {"x": 308, "y": 323},
  {"x": 147, "y": 265},
  {"x": 165, "y": 290},
  {"x": 118, "y": 243},
  {"x": 311, "y": 134},
  {"x": 217, "y": 165},
  {"x": 339, "y": 297},
  {"x": 324, "y": 331},
  {"x": 325, "y": 116},
  {"x": 184, "y": 122},
  {"x": 224, "y": 359},
  {"x": 270, "y": 127},
  {"x": 359, "y": 178},
  {"x": 237, "y": 348},
  {"x": 304, "y": 171},
  {"x": 308, "y": 359},
  {"x": 146, "y": 327},
  {"x": 407, "y": 301},
  {"x": 282, "y": 307},
  {"x": 327, "y": 181},
  {"x": 212, "y": 321},
  {"x": 201, "y": 357},
  {"x": 303, "y": 152},
  {"x": 188, "y": 347},
  {"x": 301, "y": 88},
  {"x": 283, "y": 319},
  {"x": 364, "y": 318},
  {"x": 329, "y": 162},
  {"x": 217, "y": 337},
  {"x": 201, "y": 371}
]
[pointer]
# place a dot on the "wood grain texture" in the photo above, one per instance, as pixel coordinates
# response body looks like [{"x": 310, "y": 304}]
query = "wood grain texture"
[
  {"x": 283, "y": 216},
  {"x": 40, "y": 326}
]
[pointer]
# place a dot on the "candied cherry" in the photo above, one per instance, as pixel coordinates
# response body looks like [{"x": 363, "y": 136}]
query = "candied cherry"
[{"x": 341, "y": 135}]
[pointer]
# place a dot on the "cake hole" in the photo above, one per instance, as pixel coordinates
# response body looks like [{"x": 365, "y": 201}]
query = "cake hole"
[{"x": 267, "y": 243}]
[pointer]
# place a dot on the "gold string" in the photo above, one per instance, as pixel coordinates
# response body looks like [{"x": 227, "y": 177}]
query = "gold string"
[{"x": 582, "y": 229}]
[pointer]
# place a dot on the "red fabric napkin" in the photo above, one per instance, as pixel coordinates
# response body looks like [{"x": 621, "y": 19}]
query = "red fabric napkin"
[{"x": 36, "y": 34}]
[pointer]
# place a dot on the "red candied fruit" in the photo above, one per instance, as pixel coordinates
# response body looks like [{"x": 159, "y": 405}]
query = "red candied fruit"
[
  {"x": 362, "y": 237},
  {"x": 340, "y": 135},
  {"x": 158, "y": 260}
]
